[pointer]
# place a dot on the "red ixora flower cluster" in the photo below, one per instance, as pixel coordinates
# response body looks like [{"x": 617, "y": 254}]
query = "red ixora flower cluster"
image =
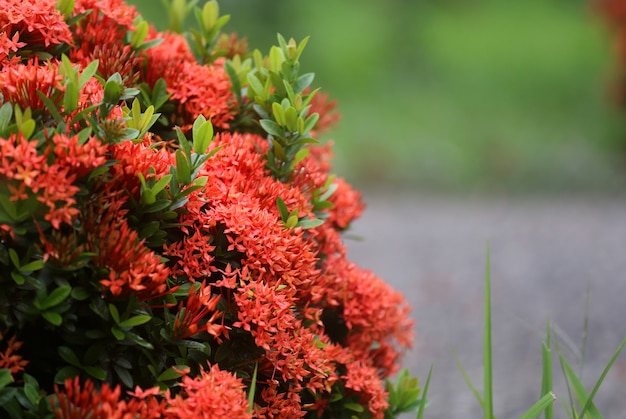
[{"x": 171, "y": 231}]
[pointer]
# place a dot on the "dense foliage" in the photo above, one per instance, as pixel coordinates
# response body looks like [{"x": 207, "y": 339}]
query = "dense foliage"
[{"x": 170, "y": 235}]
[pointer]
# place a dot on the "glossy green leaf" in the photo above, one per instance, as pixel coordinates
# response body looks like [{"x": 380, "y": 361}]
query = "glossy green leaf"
[
  {"x": 115, "y": 314},
  {"x": 303, "y": 82},
  {"x": 183, "y": 171},
  {"x": 31, "y": 394},
  {"x": 70, "y": 97},
  {"x": 65, "y": 373},
  {"x": 136, "y": 320},
  {"x": 272, "y": 128},
  {"x": 312, "y": 223},
  {"x": 52, "y": 317},
  {"x": 6, "y": 377},
  {"x": 95, "y": 372},
  {"x": 282, "y": 208},
  {"x": 55, "y": 298},
  {"x": 202, "y": 135},
  {"x": 173, "y": 373},
  {"x": 88, "y": 73},
  {"x": 68, "y": 355}
]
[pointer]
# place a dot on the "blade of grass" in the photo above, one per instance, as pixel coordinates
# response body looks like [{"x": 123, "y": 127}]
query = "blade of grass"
[
  {"x": 580, "y": 391},
  {"x": 585, "y": 330},
  {"x": 596, "y": 387},
  {"x": 252, "y": 389},
  {"x": 542, "y": 405},
  {"x": 572, "y": 410},
  {"x": 468, "y": 380},
  {"x": 546, "y": 379},
  {"x": 420, "y": 412},
  {"x": 488, "y": 370}
]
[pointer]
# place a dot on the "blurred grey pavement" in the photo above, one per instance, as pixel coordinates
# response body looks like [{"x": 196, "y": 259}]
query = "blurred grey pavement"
[{"x": 546, "y": 253}]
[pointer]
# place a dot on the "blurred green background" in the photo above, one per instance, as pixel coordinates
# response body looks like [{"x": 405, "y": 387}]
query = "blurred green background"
[{"x": 457, "y": 96}]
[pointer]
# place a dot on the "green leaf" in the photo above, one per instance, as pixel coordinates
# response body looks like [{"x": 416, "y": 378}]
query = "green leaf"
[
  {"x": 66, "y": 7},
  {"x": 31, "y": 394},
  {"x": 14, "y": 258},
  {"x": 310, "y": 123},
  {"x": 292, "y": 220},
  {"x": 202, "y": 135},
  {"x": 272, "y": 128},
  {"x": 252, "y": 391},
  {"x": 136, "y": 320},
  {"x": 112, "y": 90},
  {"x": 596, "y": 387},
  {"x": 52, "y": 317},
  {"x": 117, "y": 333},
  {"x": 70, "y": 97},
  {"x": 95, "y": 372},
  {"x": 68, "y": 355},
  {"x": 125, "y": 377},
  {"x": 291, "y": 119},
  {"x": 139, "y": 35},
  {"x": 487, "y": 358},
  {"x": 282, "y": 209},
  {"x": 55, "y": 298},
  {"x": 467, "y": 378},
  {"x": 542, "y": 405},
  {"x": 32, "y": 266},
  {"x": 546, "y": 377},
  {"x": 115, "y": 314},
  {"x": 579, "y": 389},
  {"x": 6, "y": 113},
  {"x": 355, "y": 407},
  {"x": 420, "y": 412},
  {"x": 17, "y": 278},
  {"x": 50, "y": 107},
  {"x": 183, "y": 171},
  {"x": 27, "y": 128},
  {"x": 5, "y": 377},
  {"x": 255, "y": 84},
  {"x": 311, "y": 223},
  {"x": 173, "y": 373},
  {"x": 80, "y": 293},
  {"x": 279, "y": 113},
  {"x": 88, "y": 73},
  {"x": 161, "y": 184},
  {"x": 139, "y": 340},
  {"x": 303, "y": 82},
  {"x": 65, "y": 373}
]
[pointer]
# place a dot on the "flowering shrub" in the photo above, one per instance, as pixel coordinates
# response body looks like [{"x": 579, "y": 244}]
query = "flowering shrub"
[{"x": 170, "y": 235}]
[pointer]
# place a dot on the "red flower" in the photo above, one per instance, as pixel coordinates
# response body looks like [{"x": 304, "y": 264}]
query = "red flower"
[
  {"x": 79, "y": 402},
  {"x": 197, "y": 89},
  {"x": 192, "y": 316},
  {"x": 38, "y": 23},
  {"x": 364, "y": 380},
  {"x": 19, "y": 83},
  {"x": 8, "y": 46},
  {"x": 214, "y": 394},
  {"x": 281, "y": 405},
  {"x": 101, "y": 36},
  {"x": 132, "y": 266},
  {"x": 9, "y": 357}
]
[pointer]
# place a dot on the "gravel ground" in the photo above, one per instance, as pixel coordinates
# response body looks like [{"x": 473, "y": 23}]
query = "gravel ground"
[{"x": 546, "y": 253}]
